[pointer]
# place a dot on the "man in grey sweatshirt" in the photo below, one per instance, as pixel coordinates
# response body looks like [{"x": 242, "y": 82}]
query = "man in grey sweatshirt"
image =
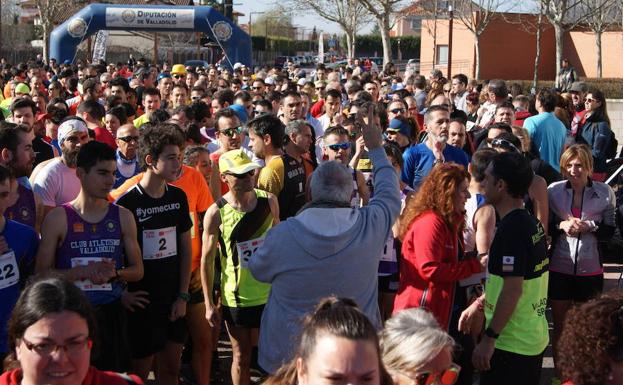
[{"x": 328, "y": 248}]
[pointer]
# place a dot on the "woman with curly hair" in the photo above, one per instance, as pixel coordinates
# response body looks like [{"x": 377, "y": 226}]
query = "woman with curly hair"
[
  {"x": 591, "y": 345},
  {"x": 430, "y": 229}
]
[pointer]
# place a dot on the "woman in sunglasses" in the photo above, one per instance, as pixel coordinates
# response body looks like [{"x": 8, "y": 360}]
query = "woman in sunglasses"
[
  {"x": 595, "y": 131},
  {"x": 339, "y": 345},
  {"x": 416, "y": 351},
  {"x": 51, "y": 334}
]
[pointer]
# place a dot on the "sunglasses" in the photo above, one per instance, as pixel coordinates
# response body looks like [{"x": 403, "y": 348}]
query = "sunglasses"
[
  {"x": 177, "y": 76},
  {"x": 128, "y": 139},
  {"x": 446, "y": 91},
  {"x": 503, "y": 143},
  {"x": 230, "y": 132},
  {"x": 241, "y": 176},
  {"x": 446, "y": 377},
  {"x": 397, "y": 110},
  {"x": 339, "y": 146}
]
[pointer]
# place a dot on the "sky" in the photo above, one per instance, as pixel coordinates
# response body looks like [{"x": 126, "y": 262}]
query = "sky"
[{"x": 307, "y": 20}]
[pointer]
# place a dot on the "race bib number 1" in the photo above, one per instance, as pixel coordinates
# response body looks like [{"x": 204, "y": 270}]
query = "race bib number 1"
[
  {"x": 247, "y": 249},
  {"x": 86, "y": 284},
  {"x": 159, "y": 243},
  {"x": 9, "y": 272}
]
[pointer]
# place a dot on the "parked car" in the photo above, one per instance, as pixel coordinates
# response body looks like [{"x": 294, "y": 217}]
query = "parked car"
[{"x": 413, "y": 65}]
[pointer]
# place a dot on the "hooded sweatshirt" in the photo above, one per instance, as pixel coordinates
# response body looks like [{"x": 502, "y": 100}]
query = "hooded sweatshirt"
[{"x": 320, "y": 252}]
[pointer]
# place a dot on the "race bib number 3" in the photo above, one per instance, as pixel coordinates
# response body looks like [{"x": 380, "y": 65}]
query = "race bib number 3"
[
  {"x": 247, "y": 249},
  {"x": 159, "y": 243},
  {"x": 9, "y": 273},
  {"x": 86, "y": 284}
]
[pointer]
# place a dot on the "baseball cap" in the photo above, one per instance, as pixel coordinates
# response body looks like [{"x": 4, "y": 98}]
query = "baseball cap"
[
  {"x": 270, "y": 81},
  {"x": 22, "y": 89},
  {"x": 240, "y": 112},
  {"x": 578, "y": 87},
  {"x": 397, "y": 125},
  {"x": 319, "y": 83},
  {"x": 178, "y": 69},
  {"x": 236, "y": 162},
  {"x": 163, "y": 75},
  {"x": 238, "y": 65},
  {"x": 69, "y": 126},
  {"x": 301, "y": 82}
]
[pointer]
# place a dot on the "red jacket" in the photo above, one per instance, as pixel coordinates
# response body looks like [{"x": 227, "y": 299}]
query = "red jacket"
[
  {"x": 430, "y": 267},
  {"x": 94, "y": 377}
]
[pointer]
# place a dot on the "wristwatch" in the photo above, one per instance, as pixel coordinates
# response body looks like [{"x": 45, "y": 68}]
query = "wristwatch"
[
  {"x": 491, "y": 334},
  {"x": 184, "y": 296}
]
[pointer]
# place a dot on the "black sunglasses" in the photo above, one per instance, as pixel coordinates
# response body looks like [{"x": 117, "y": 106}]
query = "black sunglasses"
[
  {"x": 128, "y": 139},
  {"x": 240, "y": 176}
]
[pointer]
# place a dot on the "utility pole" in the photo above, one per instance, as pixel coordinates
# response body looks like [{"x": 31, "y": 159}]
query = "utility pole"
[{"x": 451, "y": 14}]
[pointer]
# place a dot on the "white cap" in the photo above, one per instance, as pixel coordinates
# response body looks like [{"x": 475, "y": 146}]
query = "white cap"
[
  {"x": 301, "y": 82},
  {"x": 238, "y": 65},
  {"x": 270, "y": 81}
]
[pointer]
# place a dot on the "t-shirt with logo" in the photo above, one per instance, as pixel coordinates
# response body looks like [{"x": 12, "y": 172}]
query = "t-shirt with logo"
[
  {"x": 519, "y": 249},
  {"x": 159, "y": 224}
]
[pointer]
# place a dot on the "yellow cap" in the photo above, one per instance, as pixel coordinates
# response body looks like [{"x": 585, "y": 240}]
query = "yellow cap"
[
  {"x": 236, "y": 162},
  {"x": 178, "y": 69}
]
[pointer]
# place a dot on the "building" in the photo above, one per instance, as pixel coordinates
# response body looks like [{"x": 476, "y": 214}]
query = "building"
[
  {"x": 408, "y": 21},
  {"x": 508, "y": 45}
]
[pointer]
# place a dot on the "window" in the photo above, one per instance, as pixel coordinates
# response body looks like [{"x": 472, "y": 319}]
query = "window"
[
  {"x": 441, "y": 54},
  {"x": 416, "y": 24}
]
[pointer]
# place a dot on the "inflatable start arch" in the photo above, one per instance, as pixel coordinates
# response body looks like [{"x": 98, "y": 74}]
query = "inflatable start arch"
[{"x": 65, "y": 38}]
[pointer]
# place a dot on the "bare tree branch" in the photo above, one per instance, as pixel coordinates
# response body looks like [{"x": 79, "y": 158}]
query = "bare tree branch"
[{"x": 383, "y": 11}]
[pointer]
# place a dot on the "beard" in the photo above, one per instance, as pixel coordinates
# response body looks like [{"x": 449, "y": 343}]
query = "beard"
[
  {"x": 20, "y": 170},
  {"x": 438, "y": 139},
  {"x": 70, "y": 157}
]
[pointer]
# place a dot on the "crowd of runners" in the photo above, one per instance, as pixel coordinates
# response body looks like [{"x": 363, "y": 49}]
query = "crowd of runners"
[{"x": 344, "y": 226}]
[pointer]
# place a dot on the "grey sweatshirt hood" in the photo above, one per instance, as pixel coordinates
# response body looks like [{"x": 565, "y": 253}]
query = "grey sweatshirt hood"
[{"x": 323, "y": 232}]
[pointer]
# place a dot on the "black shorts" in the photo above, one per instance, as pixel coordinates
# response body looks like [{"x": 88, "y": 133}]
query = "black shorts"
[
  {"x": 565, "y": 287},
  {"x": 512, "y": 369},
  {"x": 388, "y": 283},
  {"x": 150, "y": 330},
  {"x": 243, "y": 317},
  {"x": 112, "y": 349},
  {"x": 196, "y": 297}
]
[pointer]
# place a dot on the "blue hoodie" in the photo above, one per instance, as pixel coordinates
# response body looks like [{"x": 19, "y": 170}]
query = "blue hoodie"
[{"x": 320, "y": 252}]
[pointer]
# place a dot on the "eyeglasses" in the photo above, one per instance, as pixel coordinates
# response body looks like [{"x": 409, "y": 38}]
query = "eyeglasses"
[
  {"x": 397, "y": 110},
  {"x": 177, "y": 76},
  {"x": 230, "y": 132},
  {"x": 129, "y": 139},
  {"x": 503, "y": 143},
  {"x": 446, "y": 377},
  {"x": 45, "y": 349},
  {"x": 241, "y": 176},
  {"x": 339, "y": 146}
]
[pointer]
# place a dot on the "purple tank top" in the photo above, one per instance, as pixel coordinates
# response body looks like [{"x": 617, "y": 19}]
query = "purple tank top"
[
  {"x": 24, "y": 210},
  {"x": 87, "y": 242}
]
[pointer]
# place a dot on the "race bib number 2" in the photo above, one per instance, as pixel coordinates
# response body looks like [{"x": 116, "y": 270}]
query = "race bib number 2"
[
  {"x": 159, "y": 243},
  {"x": 9, "y": 272},
  {"x": 247, "y": 249},
  {"x": 86, "y": 284}
]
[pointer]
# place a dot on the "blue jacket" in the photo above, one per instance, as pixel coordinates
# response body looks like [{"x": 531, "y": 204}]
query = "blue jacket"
[
  {"x": 597, "y": 135},
  {"x": 319, "y": 252}
]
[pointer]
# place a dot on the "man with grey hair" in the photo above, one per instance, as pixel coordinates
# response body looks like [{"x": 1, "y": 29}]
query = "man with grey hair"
[
  {"x": 328, "y": 248},
  {"x": 420, "y": 159}
]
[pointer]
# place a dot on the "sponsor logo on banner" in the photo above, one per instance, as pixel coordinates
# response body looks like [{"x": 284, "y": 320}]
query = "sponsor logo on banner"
[
  {"x": 77, "y": 27},
  {"x": 222, "y": 30},
  {"x": 150, "y": 18}
]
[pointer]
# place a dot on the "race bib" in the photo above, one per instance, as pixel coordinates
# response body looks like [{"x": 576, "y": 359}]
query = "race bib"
[
  {"x": 247, "y": 249},
  {"x": 389, "y": 251},
  {"x": 86, "y": 284},
  {"x": 159, "y": 243},
  {"x": 9, "y": 273}
]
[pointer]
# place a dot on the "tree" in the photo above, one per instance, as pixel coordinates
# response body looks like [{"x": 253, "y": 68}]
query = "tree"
[
  {"x": 430, "y": 10},
  {"x": 601, "y": 15},
  {"x": 350, "y": 15},
  {"x": 49, "y": 13},
  {"x": 476, "y": 16},
  {"x": 274, "y": 22},
  {"x": 564, "y": 15},
  {"x": 383, "y": 11}
]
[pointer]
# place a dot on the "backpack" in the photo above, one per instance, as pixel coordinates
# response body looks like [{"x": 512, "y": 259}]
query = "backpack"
[{"x": 611, "y": 151}]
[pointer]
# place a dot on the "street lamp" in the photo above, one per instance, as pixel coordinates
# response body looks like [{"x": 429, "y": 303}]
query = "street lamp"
[{"x": 451, "y": 20}]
